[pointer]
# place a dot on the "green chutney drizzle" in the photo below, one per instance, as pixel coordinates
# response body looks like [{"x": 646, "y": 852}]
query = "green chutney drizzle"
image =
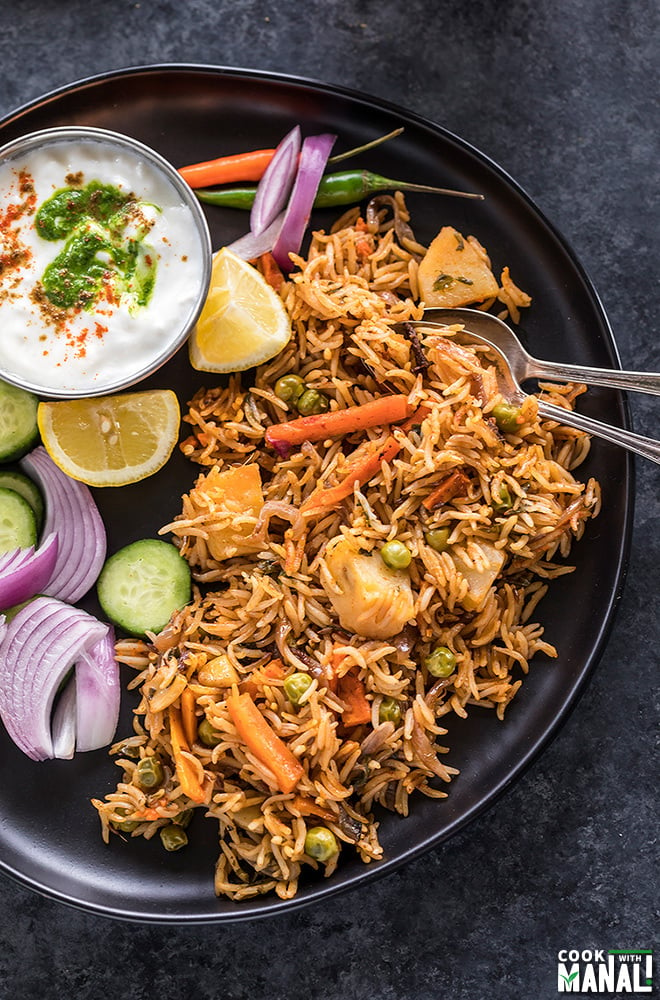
[{"x": 105, "y": 253}]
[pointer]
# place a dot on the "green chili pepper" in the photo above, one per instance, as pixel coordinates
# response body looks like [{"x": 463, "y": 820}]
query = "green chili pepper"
[{"x": 344, "y": 188}]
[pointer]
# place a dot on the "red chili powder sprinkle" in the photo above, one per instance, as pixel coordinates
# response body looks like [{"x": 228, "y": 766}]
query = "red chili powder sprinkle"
[{"x": 15, "y": 254}]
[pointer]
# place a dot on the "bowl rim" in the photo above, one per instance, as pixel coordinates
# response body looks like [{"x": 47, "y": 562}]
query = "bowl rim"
[{"x": 70, "y": 133}]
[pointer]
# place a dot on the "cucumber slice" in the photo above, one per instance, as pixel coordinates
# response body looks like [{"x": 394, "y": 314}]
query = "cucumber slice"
[
  {"x": 141, "y": 586},
  {"x": 18, "y": 421},
  {"x": 18, "y": 525},
  {"x": 12, "y": 479}
]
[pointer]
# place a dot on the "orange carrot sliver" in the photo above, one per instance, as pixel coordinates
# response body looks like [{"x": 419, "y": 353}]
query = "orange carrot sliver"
[
  {"x": 254, "y": 684},
  {"x": 228, "y": 169},
  {"x": 184, "y": 770},
  {"x": 308, "y": 807},
  {"x": 415, "y": 418},
  {"x": 188, "y": 717},
  {"x": 351, "y": 691},
  {"x": 376, "y": 413},
  {"x": 257, "y": 735},
  {"x": 149, "y": 814},
  {"x": 271, "y": 271},
  {"x": 360, "y": 472},
  {"x": 453, "y": 484}
]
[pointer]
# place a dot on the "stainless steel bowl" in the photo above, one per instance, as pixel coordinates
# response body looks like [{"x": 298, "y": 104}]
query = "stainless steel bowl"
[{"x": 177, "y": 335}]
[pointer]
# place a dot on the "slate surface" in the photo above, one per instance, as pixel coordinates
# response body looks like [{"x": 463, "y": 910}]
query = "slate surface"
[{"x": 564, "y": 96}]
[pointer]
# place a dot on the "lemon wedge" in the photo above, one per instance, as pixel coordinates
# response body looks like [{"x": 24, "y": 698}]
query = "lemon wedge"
[
  {"x": 111, "y": 440},
  {"x": 243, "y": 322}
]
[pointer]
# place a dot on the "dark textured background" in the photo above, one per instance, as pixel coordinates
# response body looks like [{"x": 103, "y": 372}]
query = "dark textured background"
[{"x": 563, "y": 95}]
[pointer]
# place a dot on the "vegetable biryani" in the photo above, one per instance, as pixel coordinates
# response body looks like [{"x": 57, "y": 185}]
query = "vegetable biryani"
[{"x": 371, "y": 533}]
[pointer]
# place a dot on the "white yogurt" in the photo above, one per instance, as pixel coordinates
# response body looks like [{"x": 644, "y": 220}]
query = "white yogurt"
[{"x": 80, "y": 351}]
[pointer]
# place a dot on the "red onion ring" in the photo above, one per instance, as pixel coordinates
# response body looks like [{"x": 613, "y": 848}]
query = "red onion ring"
[
  {"x": 27, "y": 573},
  {"x": 39, "y": 647},
  {"x": 64, "y": 724},
  {"x": 249, "y": 247},
  {"x": 73, "y": 515},
  {"x": 274, "y": 188},
  {"x": 313, "y": 158},
  {"x": 98, "y": 694}
]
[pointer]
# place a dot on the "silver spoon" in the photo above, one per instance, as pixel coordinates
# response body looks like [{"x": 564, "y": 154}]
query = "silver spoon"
[
  {"x": 524, "y": 366},
  {"x": 510, "y": 387}
]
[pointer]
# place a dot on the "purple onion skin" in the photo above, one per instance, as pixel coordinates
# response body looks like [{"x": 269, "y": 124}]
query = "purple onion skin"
[
  {"x": 313, "y": 158},
  {"x": 275, "y": 186}
]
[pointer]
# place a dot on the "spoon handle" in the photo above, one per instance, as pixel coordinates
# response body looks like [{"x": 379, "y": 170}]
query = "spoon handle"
[
  {"x": 638, "y": 381},
  {"x": 646, "y": 447}
]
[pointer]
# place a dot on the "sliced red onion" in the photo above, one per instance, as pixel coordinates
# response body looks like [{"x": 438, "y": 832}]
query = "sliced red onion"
[
  {"x": 39, "y": 647},
  {"x": 313, "y": 158},
  {"x": 274, "y": 188},
  {"x": 73, "y": 515},
  {"x": 249, "y": 247},
  {"x": 64, "y": 723},
  {"x": 98, "y": 695},
  {"x": 10, "y": 559},
  {"x": 28, "y": 572}
]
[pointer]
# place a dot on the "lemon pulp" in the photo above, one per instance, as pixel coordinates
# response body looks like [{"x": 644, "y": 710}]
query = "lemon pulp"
[
  {"x": 243, "y": 322},
  {"x": 111, "y": 440}
]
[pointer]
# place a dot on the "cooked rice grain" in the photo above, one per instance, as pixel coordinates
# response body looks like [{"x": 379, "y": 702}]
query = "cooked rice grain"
[{"x": 271, "y": 603}]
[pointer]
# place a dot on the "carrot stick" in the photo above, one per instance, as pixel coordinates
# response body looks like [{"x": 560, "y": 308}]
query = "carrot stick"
[
  {"x": 255, "y": 732},
  {"x": 148, "y": 814},
  {"x": 361, "y": 471},
  {"x": 184, "y": 771},
  {"x": 308, "y": 807},
  {"x": 318, "y": 426},
  {"x": 228, "y": 169},
  {"x": 188, "y": 717},
  {"x": 415, "y": 418},
  {"x": 351, "y": 691},
  {"x": 453, "y": 484},
  {"x": 271, "y": 271},
  {"x": 254, "y": 684}
]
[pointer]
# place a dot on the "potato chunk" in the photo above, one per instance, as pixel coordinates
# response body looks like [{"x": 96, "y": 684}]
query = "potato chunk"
[
  {"x": 482, "y": 579},
  {"x": 370, "y": 599},
  {"x": 229, "y": 502},
  {"x": 453, "y": 273}
]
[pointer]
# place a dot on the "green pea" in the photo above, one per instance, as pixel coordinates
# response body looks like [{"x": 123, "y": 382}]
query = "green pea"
[
  {"x": 173, "y": 837},
  {"x": 183, "y": 818},
  {"x": 389, "y": 710},
  {"x": 149, "y": 773},
  {"x": 289, "y": 388},
  {"x": 128, "y": 825},
  {"x": 441, "y": 662},
  {"x": 321, "y": 843},
  {"x": 295, "y": 686},
  {"x": 209, "y": 736},
  {"x": 396, "y": 555},
  {"x": 312, "y": 401},
  {"x": 503, "y": 499},
  {"x": 438, "y": 539},
  {"x": 506, "y": 417}
]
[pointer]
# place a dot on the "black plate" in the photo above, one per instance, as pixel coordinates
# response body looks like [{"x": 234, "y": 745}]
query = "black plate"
[{"x": 49, "y": 834}]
